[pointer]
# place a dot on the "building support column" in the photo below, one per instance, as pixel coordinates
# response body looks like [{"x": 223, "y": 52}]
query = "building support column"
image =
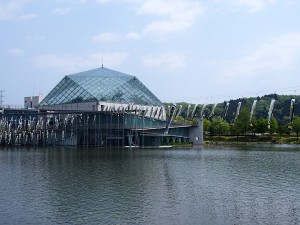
[
  {"x": 130, "y": 136},
  {"x": 196, "y": 132}
]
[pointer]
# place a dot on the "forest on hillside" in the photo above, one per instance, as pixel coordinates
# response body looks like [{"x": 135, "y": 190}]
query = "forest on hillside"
[
  {"x": 224, "y": 119},
  {"x": 281, "y": 110}
]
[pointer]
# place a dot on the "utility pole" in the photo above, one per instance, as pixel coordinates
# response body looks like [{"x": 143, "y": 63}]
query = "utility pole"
[{"x": 2, "y": 97}]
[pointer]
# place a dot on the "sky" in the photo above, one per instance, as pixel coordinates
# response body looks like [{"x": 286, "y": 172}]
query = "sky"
[{"x": 198, "y": 51}]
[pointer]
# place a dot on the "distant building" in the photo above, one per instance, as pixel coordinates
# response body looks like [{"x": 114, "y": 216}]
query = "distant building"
[{"x": 32, "y": 102}]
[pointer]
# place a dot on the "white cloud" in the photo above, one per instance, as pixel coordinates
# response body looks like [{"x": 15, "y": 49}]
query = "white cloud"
[
  {"x": 255, "y": 5},
  {"x": 176, "y": 14},
  {"x": 168, "y": 61},
  {"x": 133, "y": 36},
  {"x": 106, "y": 36},
  {"x": 8, "y": 9},
  {"x": 34, "y": 38},
  {"x": 28, "y": 16},
  {"x": 12, "y": 9},
  {"x": 60, "y": 11},
  {"x": 103, "y": 1},
  {"x": 16, "y": 51},
  {"x": 277, "y": 54},
  {"x": 69, "y": 62},
  {"x": 251, "y": 6},
  {"x": 170, "y": 16}
]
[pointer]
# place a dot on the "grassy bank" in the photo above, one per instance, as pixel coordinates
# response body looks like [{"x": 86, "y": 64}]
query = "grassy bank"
[{"x": 288, "y": 139}]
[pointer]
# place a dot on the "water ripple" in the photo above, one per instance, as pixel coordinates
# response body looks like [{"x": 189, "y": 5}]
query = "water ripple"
[{"x": 215, "y": 185}]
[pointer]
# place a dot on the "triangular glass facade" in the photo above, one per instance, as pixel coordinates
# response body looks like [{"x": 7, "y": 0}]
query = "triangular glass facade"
[{"x": 100, "y": 84}]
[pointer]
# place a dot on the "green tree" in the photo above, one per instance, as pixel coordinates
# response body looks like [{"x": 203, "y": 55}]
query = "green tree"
[
  {"x": 206, "y": 125},
  {"x": 296, "y": 126},
  {"x": 225, "y": 128},
  {"x": 180, "y": 119},
  {"x": 219, "y": 126},
  {"x": 261, "y": 125},
  {"x": 241, "y": 124},
  {"x": 233, "y": 129},
  {"x": 252, "y": 125},
  {"x": 273, "y": 126},
  {"x": 192, "y": 121},
  {"x": 283, "y": 126}
]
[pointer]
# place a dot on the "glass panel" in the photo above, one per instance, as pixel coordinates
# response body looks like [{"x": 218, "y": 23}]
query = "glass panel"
[{"x": 101, "y": 84}]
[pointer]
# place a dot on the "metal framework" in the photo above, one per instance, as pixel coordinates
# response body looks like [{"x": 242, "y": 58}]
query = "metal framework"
[
  {"x": 100, "y": 84},
  {"x": 101, "y": 129}
]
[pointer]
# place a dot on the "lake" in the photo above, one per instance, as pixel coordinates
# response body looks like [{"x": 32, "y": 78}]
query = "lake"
[{"x": 258, "y": 184}]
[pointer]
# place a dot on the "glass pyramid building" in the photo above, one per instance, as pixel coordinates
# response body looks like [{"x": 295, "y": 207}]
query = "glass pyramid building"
[{"x": 103, "y": 85}]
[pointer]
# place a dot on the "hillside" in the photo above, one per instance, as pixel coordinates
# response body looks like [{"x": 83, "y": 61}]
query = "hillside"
[{"x": 281, "y": 109}]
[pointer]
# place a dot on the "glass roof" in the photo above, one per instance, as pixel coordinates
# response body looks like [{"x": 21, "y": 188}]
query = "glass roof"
[{"x": 100, "y": 84}]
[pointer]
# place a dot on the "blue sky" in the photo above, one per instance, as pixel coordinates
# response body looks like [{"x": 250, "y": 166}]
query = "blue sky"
[{"x": 201, "y": 51}]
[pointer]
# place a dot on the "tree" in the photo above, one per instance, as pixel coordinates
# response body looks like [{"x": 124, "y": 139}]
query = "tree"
[
  {"x": 241, "y": 124},
  {"x": 206, "y": 125},
  {"x": 253, "y": 124},
  {"x": 273, "y": 126},
  {"x": 219, "y": 126},
  {"x": 233, "y": 129},
  {"x": 283, "y": 126},
  {"x": 225, "y": 128},
  {"x": 296, "y": 126},
  {"x": 192, "y": 121},
  {"x": 261, "y": 125},
  {"x": 180, "y": 119}
]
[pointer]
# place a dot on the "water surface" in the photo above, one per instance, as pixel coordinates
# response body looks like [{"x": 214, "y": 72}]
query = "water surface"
[{"x": 213, "y": 185}]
